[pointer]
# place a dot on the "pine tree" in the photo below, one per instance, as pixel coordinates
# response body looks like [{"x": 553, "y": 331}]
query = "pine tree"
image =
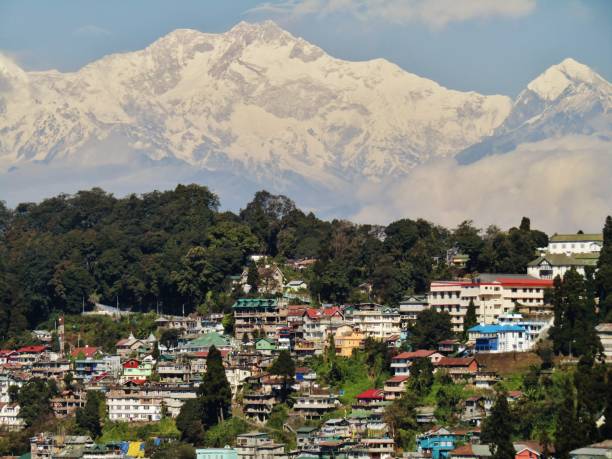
[
  {"x": 470, "y": 319},
  {"x": 566, "y": 423},
  {"x": 214, "y": 393},
  {"x": 497, "y": 429},
  {"x": 421, "y": 376},
  {"x": 189, "y": 421},
  {"x": 253, "y": 277},
  {"x": 88, "y": 417},
  {"x": 604, "y": 272},
  {"x": 285, "y": 367}
]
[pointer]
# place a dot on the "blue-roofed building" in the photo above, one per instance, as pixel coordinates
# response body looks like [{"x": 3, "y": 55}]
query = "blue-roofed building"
[{"x": 499, "y": 338}]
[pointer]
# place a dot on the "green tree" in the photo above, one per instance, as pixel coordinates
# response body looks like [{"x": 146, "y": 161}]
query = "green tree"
[
  {"x": 604, "y": 272},
  {"x": 189, "y": 421},
  {"x": 34, "y": 400},
  {"x": 566, "y": 423},
  {"x": 421, "y": 376},
  {"x": 470, "y": 319},
  {"x": 497, "y": 429},
  {"x": 401, "y": 417},
  {"x": 214, "y": 393},
  {"x": 88, "y": 417},
  {"x": 284, "y": 366},
  {"x": 430, "y": 328},
  {"x": 253, "y": 277}
]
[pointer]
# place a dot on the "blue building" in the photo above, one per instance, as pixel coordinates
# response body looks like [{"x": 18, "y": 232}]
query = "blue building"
[
  {"x": 216, "y": 453},
  {"x": 499, "y": 338},
  {"x": 439, "y": 442}
]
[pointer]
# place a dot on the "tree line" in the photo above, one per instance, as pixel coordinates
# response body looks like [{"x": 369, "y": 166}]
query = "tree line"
[{"x": 176, "y": 250}]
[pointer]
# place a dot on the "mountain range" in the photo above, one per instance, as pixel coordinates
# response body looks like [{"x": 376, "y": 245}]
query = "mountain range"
[{"x": 256, "y": 107}]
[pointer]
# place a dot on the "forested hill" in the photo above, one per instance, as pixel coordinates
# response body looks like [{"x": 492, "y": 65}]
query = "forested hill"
[{"x": 176, "y": 248}]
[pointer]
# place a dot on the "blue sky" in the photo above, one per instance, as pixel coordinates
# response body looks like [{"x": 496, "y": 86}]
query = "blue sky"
[{"x": 487, "y": 46}]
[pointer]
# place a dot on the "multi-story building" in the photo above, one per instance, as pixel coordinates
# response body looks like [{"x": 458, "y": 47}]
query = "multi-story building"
[
  {"x": 346, "y": 340},
  {"x": 216, "y": 453},
  {"x": 410, "y": 307},
  {"x": 376, "y": 321},
  {"x": 258, "y": 445},
  {"x": 258, "y": 315},
  {"x": 314, "y": 406},
  {"x": 9, "y": 417},
  {"x": 400, "y": 364},
  {"x": 395, "y": 387},
  {"x": 574, "y": 243},
  {"x": 146, "y": 404},
  {"x": 66, "y": 403},
  {"x": 317, "y": 324},
  {"x": 492, "y": 294},
  {"x": 565, "y": 252}
]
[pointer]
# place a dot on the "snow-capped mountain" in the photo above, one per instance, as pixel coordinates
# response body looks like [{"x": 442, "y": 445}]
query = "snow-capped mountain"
[
  {"x": 254, "y": 99},
  {"x": 567, "y": 99}
]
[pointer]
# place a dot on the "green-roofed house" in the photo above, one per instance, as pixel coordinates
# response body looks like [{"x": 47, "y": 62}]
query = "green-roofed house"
[
  {"x": 205, "y": 342},
  {"x": 266, "y": 346},
  {"x": 564, "y": 252},
  {"x": 258, "y": 315}
]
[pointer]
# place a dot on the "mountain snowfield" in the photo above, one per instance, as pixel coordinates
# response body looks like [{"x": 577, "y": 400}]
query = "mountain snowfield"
[{"x": 256, "y": 107}]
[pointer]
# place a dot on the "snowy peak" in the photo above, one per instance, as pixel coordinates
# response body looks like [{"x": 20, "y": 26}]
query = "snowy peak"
[
  {"x": 556, "y": 79},
  {"x": 567, "y": 99}
]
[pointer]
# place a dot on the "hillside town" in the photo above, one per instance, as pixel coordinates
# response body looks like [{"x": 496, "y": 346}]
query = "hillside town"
[{"x": 293, "y": 377}]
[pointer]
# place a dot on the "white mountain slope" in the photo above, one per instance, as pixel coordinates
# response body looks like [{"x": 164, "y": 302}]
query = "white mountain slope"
[
  {"x": 567, "y": 99},
  {"x": 253, "y": 99}
]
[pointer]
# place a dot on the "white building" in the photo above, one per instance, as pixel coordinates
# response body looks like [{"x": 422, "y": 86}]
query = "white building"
[
  {"x": 492, "y": 294},
  {"x": 410, "y": 307},
  {"x": 569, "y": 244},
  {"x": 376, "y": 321},
  {"x": 9, "y": 417},
  {"x": 564, "y": 252},
  {"x": 604, "y": 331}
]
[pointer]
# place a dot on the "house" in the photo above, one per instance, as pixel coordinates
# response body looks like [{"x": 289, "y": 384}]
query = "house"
[
  {"x": 439, "y": 442},
  {"x": 296, "y": 286},
  {"x": 314, "y": 406},
  {"x": 574, "y": 243},
  {"x": 271, "y": 280},
  {"x": 205, "y": 342},
  {"x": 261, "y": 315},
  {"x": 134, "y": 406},
  {"x": 400, "y": 364},
  {"x": 347, "y": 339},
  {"x": 259, "y": 405},
  {"x": 9, "y": 417},
  {"x": 216, "y": 453},
  {"x": 317, "y": 324},
  {"x": 458, "y": 368},
  {"x": 31, "y": 354},
  {"x": 604, "y": 331},
  {"x": 134, "y": 370},
  {"x": 66, "y": 403},
  {"x": 410, "y": 307},
  {"x": 258, "y": 445},
  {"x": 7, "y": 355},
  {"x": 266, "y": 346},
  {"x": 476, "y": 408},
  {"x": 492, "y": 294},
  {"x": 84, "y": 353},
  {"x": 450, "y": 346},
  {"x": 375, "y": 321},
  {"x": 395, "y": 387},
  {"x": 551, "y": 265},
  {"x": 305, "y": 437},
  {"x": 370, "y": 396},
  {"x": 42, "y": 335},
  {"x": 130, "y": 346},
  {"x": 499, "y": 338}
]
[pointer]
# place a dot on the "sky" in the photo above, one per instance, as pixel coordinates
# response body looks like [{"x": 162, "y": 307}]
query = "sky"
[{"x": 488, "y": 46}]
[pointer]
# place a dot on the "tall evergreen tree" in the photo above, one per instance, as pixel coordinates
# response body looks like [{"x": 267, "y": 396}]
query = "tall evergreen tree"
[
  {"x": 284, "y": 366},
  {"x": 421, "y": 376},
  {"x": 470, "y": 319},
  {"x": 497, "y": 429},
  {"x": 604, "y": 273},
  {"x": 214, "y": 393},
  {"x": 566, "y": 423}
]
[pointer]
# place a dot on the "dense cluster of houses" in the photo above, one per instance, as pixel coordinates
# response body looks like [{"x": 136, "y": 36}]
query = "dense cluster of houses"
[{"x": 144, "y": 380}]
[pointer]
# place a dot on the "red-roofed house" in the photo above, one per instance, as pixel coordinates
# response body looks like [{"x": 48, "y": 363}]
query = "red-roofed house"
[
  {"x": 31, "y": 354},
  {"x": 370, "y": 396},
  {"x": 7, "y": 355},
  {"x": 318, "y": 323},
  {"x": 395, "y": 387},
  {"x": 87, "y": 352},
  {"x": 458, "y": 368},
  {"x": 400, "y": 364}
]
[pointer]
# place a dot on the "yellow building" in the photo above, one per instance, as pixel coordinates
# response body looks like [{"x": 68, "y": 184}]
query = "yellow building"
[{"x": 347, "y": 339}]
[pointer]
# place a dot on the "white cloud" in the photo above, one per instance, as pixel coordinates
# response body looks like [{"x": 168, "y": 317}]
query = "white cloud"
[
  {"x": 92, "y": 31},
  {"x": 562, "y": 185},
  {"x": 434, "y": 13}
]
